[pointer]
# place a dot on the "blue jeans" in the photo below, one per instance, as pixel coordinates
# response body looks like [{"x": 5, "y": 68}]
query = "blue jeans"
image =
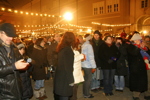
[
  {"x": 119, "y": 82},
  {"x": 108, "y": 76},
  {"x": 39, "y": 84}
]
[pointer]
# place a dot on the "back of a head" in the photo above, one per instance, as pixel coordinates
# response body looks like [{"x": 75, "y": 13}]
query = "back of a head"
[
  {"x": 68, "y": 39},
  {"x": 38, "y": 41}
]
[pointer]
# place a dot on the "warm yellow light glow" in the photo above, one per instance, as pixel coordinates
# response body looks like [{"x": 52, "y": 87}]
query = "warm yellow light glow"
[
  {"x": 33, "y": 33},
  {"x": 9, "y": 10},
  {"x": 3, "y": 9},
  {"x": 89, "y": 31},
  {"x": 15, "y": 11},
  {"x": 27, "y": 13},
  {"x": 36, "y": 14},
  {"x": 32, "y": 13},
  {"x": 53, "y": 16},
  {"x": 41, "y": 14},
  {"x": 145, "y": 32},
  {"x": 21, "y": 12},
  {"x": 45, "y": 14},
  {"x": 49, "y": 15},
  {"x": 68, "y": 16}
]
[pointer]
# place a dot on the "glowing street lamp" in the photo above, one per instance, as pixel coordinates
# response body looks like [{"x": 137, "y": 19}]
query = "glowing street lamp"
[
  {"x": 144, "y": 32},
  {"x": 68, "y": 16}
]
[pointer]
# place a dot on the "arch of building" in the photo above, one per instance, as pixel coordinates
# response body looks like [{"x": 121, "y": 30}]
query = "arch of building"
[{"x": 143, "y": 23}]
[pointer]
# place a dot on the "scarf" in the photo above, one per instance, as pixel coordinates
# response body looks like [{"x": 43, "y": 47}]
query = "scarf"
[
  {"x": 145, "y": 55},
  {"x": 96, "y": 42},
  {"x": 7, "y": 47}
]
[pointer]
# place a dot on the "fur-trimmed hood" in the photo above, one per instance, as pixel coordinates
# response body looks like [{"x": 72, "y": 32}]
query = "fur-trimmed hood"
[{"x": 39, "y": 47}]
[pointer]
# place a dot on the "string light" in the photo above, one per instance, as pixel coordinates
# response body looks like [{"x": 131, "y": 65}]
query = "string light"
[
  {"x": 112, "y": 25},
  {"x": 27, "y": 13}
]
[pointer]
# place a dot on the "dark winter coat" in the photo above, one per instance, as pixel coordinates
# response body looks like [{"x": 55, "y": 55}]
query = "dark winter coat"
[
  {"x": 137, "y": 70},
  {"x": 27, "y": 86},
  {"x": 64, "y": 73},
  {"x": 52, "y": 54},
  {"x": 105, "y": 54},
  {"x": 122, "y": 62},
  {"x": 26, "y": 81},
  {"x": 10, "y": 82},
  {"x": 40, "y": 62},
  {"x": 96, "y": 48}
]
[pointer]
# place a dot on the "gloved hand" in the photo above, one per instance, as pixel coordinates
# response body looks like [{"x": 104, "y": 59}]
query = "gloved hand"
[
  {"x": 110, "y": 61},
  {"x": 93, "y": 70}
]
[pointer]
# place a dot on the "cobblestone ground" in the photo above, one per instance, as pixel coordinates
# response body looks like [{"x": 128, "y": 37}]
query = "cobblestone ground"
[{"x": 126, "y": 95}]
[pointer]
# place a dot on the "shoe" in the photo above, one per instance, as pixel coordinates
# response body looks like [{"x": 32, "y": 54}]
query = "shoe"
[
  {"x": 40, "y": 98},
  {"x": 44, "y": 97},
  {"x": 106, "y": 94},
  {"x": 136, "y": 98},
  {"x": 99, "y": 89},
  {"x": 118, "y": 90},
  {"x": 111, "y": 94},
  {"x": 95, "y": 90},
  {"x": 91, "y": 96},
  {"x": 147, "y": 97}
]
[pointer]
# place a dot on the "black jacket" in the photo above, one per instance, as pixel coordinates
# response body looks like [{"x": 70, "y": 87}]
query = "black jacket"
[
  {"x": 40, "y": 62},
  {"x": 96, "y": 48},
  {"x": 26, "y": 81},
  {"x": 64, "y": 72},
  {"x": 106, "y": 53},
  {"x": 10, "y": 82},
  {"x": 52, "y": 54},
  {"x": 137, "y": 70},
  {"x": 122, "y": 68}
]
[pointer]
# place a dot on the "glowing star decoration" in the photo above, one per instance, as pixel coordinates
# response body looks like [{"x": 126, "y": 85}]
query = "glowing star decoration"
[{"x": 68, "y": 16}]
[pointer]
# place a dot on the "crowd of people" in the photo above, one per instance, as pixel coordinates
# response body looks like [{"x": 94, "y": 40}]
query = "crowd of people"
[{"x": 98, "y": 62}]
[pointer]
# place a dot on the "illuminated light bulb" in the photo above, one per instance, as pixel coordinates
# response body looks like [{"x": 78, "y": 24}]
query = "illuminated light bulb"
[
  {"x": 21, "y": 12},
  {"x": 9, "y": 10},
  {"x": 68, "y": 16},
  {"x": 45, "y": 14},
  {"x": 53, "y": 16},
  {"x": 2, "y": 9},
  {"x": 15, "y": 11},
  {"x": 27, "y": 13},
  {"x": 32, "y": 13},
  {"x": 41, "y": 14}
]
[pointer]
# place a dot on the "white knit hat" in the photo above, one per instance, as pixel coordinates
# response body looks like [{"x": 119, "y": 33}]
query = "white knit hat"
[
  {"x": 136, "y": 37},
  {"x": 20, "y": 46}
]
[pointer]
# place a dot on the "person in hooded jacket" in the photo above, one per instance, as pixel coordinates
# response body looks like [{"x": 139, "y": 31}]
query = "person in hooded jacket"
[{"x": 39, "y": 73}]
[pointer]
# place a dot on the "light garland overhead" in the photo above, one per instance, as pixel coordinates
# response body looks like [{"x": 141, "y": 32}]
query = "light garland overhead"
[
  {"x": 112, "y": 25},
  {"x": 58, "y": 25},
  {"x": 26, "y": 13},
  {"x": 49, "y": 26}
]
